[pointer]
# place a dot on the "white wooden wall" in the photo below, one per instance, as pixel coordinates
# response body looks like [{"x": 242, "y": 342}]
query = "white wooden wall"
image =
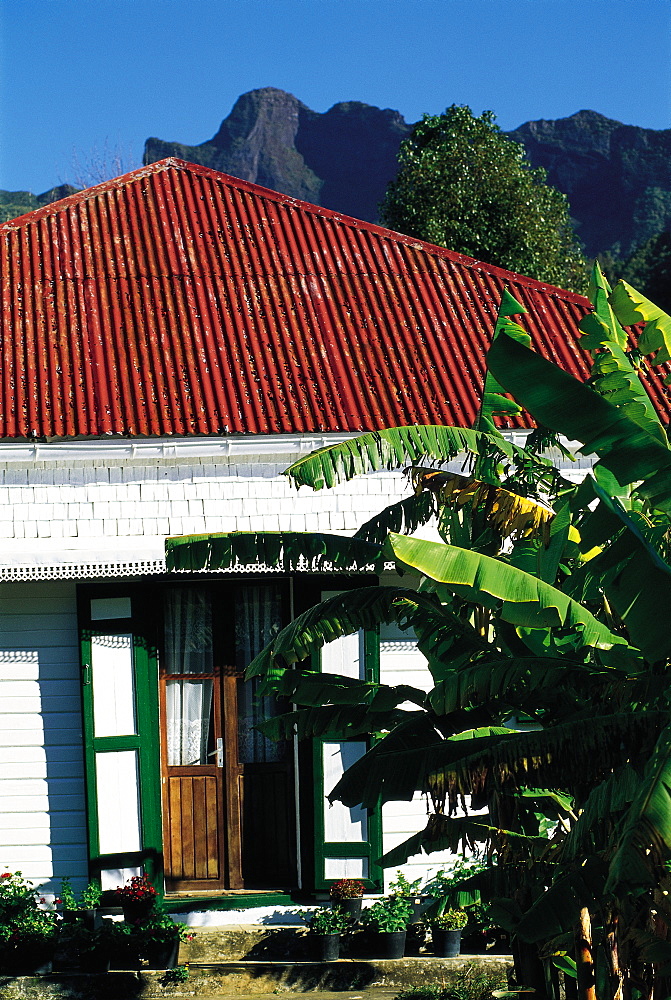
[{"x": 42, "y": 819}]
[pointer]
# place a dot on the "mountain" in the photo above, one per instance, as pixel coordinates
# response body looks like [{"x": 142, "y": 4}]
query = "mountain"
[
  {"x": 13, "y": 203},
  {"x": 617, "y": 177},
  {"x": 342, "y": 159}
]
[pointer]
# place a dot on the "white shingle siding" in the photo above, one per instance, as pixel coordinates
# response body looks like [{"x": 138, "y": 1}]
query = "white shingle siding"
[{"x": 92, "y": 503}]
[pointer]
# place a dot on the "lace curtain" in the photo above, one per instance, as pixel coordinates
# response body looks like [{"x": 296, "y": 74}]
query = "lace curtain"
[
  {"x": 258, "y": 618},
  {"x": 188, "y": 646}
]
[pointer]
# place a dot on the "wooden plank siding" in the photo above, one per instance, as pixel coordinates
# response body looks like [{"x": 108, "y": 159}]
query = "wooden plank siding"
[{"x": 42, "y": 814}]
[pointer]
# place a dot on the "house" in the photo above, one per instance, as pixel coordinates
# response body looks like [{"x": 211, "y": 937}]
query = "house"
[{"x": 171, "y": 341}]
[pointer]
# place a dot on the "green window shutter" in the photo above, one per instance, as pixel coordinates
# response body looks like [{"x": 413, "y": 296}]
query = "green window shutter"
[
  {"x": 121, "y": 733},
  {"x": 347, "y": 841}
]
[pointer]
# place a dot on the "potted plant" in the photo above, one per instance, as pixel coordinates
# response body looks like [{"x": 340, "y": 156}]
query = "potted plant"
[
  {"x": 156, "y": 939},
  {"x": 137, "y": 897},
  {"x": 388, "y": 919},
  {"x": 446, "y": 928},
  {"x": 86, "y": 948},
  {"x": 347, "y": 895},
  {"x": 28, "y": 933},
  {"x": 325, "y": 927},
  {"x": 85, "y": 909},
  {"x": 401, "y": 886}
]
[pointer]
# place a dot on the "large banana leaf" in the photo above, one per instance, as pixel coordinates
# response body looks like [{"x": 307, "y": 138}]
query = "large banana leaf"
[
  {"x": 630, "y": 450},
  {"x": 395, "y": 448},
  {"x": 557, "y": 910},
  {"x": 311, "y": 688},
  {"x": 494, "y": 402},
  {"x": 509, "y": 513},
  {"x": 601, "y": 810},
  {"x": 515, "y": 681},
  {"x": 576, "y": 753},
  {"x": 449, "y": 833},
  {"x": 613, "y": 374},
  {"x": 526, "y": 601},
  {"x": 645, "y": 839},
  {"x": 632, "y": 307},
  {"x": 333, "y": 721},
  {"x": 344, "y": 614},
  {"x": 286, "y": 550},
  {"x": 407, "y": 515},
  {"x": 642, "y": 583}
]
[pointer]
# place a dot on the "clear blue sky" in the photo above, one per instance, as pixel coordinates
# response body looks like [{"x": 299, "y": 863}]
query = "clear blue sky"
[{"x": 79, "y": 75}]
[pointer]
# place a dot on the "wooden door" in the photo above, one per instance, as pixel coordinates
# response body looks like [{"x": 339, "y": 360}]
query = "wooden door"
[
  {"x": 201, "y": 816},
  {"x": 228, "y": 793}
]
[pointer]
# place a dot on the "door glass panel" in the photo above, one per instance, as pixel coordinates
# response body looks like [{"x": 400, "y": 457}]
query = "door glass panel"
[
  {"x": 342, "y": 824},
  {"x": 188, "y": 631},
  {"x": 258, "y": 619},
  {"x": 118, "y": 801},
  {"x": 189, "y": 701},
  {"x": 113, "y": 685},
  {"x": 344, "y": 655},
  {"x": 190, "y": 730},
  {"x": 110, "y": 607},
  {"x": 345, "y": 867}
]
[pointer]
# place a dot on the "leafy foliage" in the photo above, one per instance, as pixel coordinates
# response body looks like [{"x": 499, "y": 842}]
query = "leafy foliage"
[
  {"x": 542, "y": 617},
  {"x": 465, "y": 186}
]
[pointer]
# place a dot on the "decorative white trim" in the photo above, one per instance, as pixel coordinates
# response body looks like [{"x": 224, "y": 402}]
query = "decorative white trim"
[
  {"x": 147, "y": 567},
  {"x": 157, "y": 449},
  {"x": 82, "y": 571},
  {"x": 408, "y": 645}
]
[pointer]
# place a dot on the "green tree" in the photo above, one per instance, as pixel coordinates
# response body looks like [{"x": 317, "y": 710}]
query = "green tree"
[
  {"x": 465, "y": 186},
  {"x": 649, "y": 269}
]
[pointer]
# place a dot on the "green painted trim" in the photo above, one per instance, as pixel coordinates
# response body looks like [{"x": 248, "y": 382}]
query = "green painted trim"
[
  {"x": 89, "y": 752},
  {"x": 372, "y": 847},
  {"x": 145, "y": 742},
  {"x": 207, "y": 903}
]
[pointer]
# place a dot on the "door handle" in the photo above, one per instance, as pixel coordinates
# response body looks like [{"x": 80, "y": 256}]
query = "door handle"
[{"x": 219, "y": 752}]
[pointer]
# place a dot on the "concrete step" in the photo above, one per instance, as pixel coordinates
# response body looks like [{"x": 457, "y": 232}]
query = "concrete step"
[{"x": 369, "y": 979}]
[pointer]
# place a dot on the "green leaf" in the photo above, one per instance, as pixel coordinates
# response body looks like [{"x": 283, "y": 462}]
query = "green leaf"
[
  {"x": 448, "y": 833},
  {"x": 557, "y": 910},
  {"x": 395, "y": 448},
  {"x": 333, "y": 721},
  {"x": 344, "y": 614},
  {"x": 494, "y": 403},
  {"x": 631, "y": 308},
  {"x": 645, "y": 838},
  {"x": 407, "y": 515},
  {"x": 603, "y": 807},
  {"x": 512, "y": 680},
  {"x": 286, "y": 550},
  {"x": 630, "y": 450},
  {"x": 527, "y": 601}
]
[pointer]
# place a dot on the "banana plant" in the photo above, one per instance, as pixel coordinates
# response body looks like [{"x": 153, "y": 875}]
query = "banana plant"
[{"x": 544, "y": 603}]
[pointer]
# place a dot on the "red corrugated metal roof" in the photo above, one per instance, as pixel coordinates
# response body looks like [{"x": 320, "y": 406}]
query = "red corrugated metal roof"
[{"x": 178, "y": 300}]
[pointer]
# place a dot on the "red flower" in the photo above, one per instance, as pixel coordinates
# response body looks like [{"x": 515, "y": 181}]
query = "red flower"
[{"x": 6, "y": 875}]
